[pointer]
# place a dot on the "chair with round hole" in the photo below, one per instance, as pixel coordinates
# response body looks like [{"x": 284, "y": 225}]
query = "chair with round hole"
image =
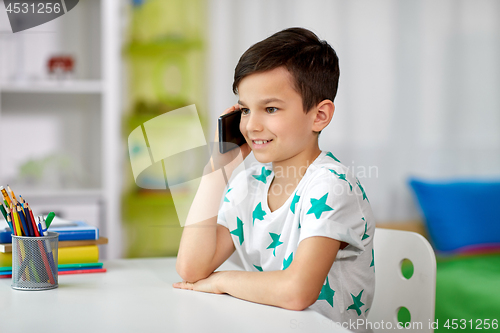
[{"x": 405, "y": 282}]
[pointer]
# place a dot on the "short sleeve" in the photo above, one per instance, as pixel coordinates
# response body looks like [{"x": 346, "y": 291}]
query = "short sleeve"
[
  {"x": 223, "y": 207},
  {"x": 329, "y": 208}
]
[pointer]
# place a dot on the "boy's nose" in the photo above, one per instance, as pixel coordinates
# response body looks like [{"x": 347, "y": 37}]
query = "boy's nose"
[{"x": 253, "y": 123}]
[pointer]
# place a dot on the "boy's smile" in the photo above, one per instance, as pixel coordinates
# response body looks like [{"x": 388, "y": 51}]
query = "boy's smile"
[{"x": 273, "y": 121}]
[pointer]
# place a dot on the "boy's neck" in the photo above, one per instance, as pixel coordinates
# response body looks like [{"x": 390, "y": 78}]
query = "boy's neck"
[{"x": 293, "y": 169}]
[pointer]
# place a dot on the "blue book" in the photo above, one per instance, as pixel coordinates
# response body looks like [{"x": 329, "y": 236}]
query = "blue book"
[
  {"x": 74, "y": 230},
  {"x": 5, "y": 235},
  {"x": 67, "y": 230}
]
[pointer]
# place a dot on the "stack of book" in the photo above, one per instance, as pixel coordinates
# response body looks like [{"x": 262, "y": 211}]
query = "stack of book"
[{"x": 78, "y": 250}]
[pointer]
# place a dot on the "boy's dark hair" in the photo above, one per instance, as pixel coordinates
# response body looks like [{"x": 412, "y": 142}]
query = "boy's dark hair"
[{"x": 312, "y": 62}]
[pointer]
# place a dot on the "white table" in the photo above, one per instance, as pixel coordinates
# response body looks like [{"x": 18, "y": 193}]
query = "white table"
[{"x": 136, "y": 295}]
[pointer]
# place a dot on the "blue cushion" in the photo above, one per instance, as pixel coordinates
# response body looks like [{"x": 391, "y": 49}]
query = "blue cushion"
[{"x": 460, "y": 214}]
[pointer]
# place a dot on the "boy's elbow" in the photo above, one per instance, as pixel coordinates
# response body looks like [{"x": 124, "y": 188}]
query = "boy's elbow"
[
  {"x": 181, "y": 270},
  {"x": 189, "y": 272},
  {"x": 299, "y": 303},
  {"x": 299, "y": 297},
  {"x": 186, "y": 271}
]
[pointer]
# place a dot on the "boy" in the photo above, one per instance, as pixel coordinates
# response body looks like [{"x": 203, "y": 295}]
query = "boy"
[{"x": 304, "y": 230}]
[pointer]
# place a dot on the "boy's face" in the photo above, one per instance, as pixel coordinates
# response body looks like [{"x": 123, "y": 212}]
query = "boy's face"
[{"x": 272, "y": 111}]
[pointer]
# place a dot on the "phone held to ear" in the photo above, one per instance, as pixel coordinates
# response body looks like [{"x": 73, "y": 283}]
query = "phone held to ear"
[{"x": 230, "y": 136}]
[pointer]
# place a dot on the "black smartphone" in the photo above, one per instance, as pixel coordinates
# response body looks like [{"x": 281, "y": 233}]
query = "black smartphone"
[{"x": 230, "y": 136}]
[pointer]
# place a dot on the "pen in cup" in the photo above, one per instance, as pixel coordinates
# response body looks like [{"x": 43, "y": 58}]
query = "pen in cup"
[{"x": 43, "y": 232}]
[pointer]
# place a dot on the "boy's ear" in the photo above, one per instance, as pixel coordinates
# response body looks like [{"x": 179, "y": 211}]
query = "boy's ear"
[{"x": 323, "y": 114}]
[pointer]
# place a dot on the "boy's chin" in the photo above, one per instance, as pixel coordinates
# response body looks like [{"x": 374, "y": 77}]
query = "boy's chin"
[{"x": 261, "y": 158}]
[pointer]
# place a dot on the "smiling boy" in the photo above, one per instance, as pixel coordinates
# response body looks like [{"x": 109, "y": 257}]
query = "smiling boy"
[{"x": 304, "y": 230}]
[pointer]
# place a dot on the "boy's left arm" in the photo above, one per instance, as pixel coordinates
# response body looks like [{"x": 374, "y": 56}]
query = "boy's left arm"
[{"x": 295, "y": 288}]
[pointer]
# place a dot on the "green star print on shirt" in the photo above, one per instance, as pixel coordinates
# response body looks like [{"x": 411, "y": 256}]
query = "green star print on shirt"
[
  {"x": 225, "y": 197},
  {"x": 275, "y": 242},
  {"x": 263, "y": 175},
  {"x": 327, "y": 293},
  {"x": 365, "y": 235},
  {"x": 329, "y": 154},
  {"x": 342, "y": 176},
  {"x": 295, "y": 200},
  {"x": 357, "y": 303},
  {"x": 373, "y": 260},
  {"x": 287, "y": 262},
  {"x": 319, "y": 206},
  {"x": 258, "y": 213},
  {"x": 239, "y": 231},
  {"x": 362, "y": 190}
]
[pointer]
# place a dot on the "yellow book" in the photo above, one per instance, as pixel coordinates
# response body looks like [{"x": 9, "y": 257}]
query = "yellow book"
[
  {"x": 78, "y": 254},
  {"x": 66, "y": 255},
  {"x": 5, "y": 259}
]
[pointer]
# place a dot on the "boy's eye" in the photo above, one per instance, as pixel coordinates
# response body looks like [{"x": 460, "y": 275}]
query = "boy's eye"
[
  {"x": 271, "y": 109},
  {"x": 244, "y": 111}
]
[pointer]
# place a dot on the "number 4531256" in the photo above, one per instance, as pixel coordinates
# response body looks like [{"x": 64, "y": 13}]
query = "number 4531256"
[
  {"x": 478, "y": 324},
  {"x": 38, "y": 8}
]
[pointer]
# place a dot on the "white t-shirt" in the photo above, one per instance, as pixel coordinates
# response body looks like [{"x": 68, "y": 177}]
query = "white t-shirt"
[{"x": 329, "y": 201}]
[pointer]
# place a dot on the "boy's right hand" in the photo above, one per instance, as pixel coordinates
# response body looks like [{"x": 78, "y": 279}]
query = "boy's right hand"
[{"x": 219, "y": 159}]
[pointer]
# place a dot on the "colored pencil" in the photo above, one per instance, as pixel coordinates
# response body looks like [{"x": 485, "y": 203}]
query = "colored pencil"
[
  {"x": 19, "y": 226},
  {"x": 23, "y": 266},
  {"x": 45, "y": 260},
  {"x": 37, "y": 234},
  {"x": 31, "y": 267},
  {"x": 10, "y": 217},
  {"x": 26, "y": 226},
  {"x": 4, "y": 213},
  {"x": 11, "y": 224},
  {"x": 14, "y": 201},
  {"x": 28, "y": 220},
  {"x": 5, "y": 195}
]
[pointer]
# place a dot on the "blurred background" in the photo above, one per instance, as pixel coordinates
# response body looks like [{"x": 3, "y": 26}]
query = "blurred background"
[{"x": 418, "y": 97}]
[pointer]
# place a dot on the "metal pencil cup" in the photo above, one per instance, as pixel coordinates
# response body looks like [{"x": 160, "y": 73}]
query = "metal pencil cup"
[{"x": 34, "y": 262}]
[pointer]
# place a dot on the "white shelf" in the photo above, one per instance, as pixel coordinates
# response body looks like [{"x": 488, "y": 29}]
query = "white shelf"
[
  {"x": 62, "y": 86},
  {"x": 82, "y": 114}
]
